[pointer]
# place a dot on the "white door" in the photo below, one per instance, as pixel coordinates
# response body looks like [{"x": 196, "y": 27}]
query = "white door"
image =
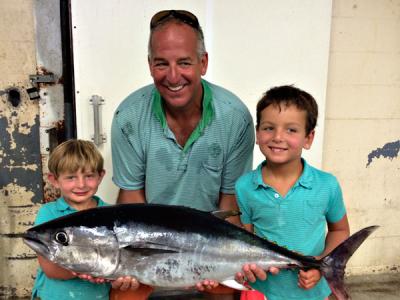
[{"x": 252, "y": 46}]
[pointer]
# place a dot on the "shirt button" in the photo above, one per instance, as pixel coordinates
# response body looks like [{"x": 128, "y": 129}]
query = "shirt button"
[{"x": 276, "y": 195}]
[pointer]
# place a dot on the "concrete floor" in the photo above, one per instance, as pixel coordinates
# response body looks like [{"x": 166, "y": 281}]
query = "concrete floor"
[{"x": 374, "y": 287}]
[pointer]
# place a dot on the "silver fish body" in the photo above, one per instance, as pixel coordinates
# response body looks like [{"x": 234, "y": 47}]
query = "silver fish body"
[{"x": 168, "y": 246}]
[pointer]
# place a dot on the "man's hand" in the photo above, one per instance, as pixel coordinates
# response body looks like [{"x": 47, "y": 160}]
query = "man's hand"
[
  {"x": 206, "y": 284},
  {"x": 308, "y": 279},
  {"x": 251, "y": 272},
  {"x": 90, "y": 278},
  {"x": 125, "y": 283}
]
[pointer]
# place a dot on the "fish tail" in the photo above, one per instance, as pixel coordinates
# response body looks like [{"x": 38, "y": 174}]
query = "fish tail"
[{"x": 334, "y": 264}]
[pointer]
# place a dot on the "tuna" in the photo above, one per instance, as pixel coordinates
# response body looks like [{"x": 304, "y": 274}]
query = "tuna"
[{"x": 172, "y": 246}]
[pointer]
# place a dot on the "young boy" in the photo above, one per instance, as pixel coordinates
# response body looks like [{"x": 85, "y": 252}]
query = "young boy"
[
  {"x": 76, "y": 169},
  {"x": 288, "y": 201}
]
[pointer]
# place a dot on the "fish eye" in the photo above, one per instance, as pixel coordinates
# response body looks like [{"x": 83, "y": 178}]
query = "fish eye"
[{"x": 62, "y": 238}]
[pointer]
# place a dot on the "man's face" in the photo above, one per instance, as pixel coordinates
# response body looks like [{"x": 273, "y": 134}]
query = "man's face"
[{"x": 175, "y": 65}]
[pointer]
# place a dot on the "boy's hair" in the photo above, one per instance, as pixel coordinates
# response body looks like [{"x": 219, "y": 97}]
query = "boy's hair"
[
  {"x": 289, "y": 95},
  {"x": 74, "y": 155}
]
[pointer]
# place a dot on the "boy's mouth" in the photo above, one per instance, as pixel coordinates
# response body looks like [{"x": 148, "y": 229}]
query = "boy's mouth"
[{"x": 277, "y": 149}]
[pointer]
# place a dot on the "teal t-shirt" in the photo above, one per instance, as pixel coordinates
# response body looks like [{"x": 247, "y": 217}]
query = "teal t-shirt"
[
  {"x": 296, "y": 221},
  {"x": 147, "y": 156},
  {"x": 55, "y": 289}
]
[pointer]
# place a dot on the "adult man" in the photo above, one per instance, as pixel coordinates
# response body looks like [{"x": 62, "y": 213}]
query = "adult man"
[{"x": 181, "y": 140}]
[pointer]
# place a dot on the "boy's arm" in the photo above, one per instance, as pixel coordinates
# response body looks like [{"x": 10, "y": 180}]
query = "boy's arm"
[
  {"x": 337, "y": 233},
  {"x": 54, "y": 271}
]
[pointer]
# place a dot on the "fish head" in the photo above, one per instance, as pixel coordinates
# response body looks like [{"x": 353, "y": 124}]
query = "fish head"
[{"x": 81, "y": 249}]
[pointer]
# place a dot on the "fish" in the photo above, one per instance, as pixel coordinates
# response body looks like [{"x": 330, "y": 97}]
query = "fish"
[{"x": 171, "y": 247}]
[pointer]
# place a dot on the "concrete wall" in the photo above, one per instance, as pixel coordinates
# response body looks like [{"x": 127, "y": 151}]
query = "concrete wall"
[
  {"x": 21, "y": 181},
  {"x": 361, "y": 142},
  {"x": 362, "y": 127}
]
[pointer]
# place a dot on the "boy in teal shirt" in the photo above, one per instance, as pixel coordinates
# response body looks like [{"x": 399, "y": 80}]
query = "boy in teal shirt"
[
  {"x": 288, "y": 201},
  {"x": 76, "y": 169}
]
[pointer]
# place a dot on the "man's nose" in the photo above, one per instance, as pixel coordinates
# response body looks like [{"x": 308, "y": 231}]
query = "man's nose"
[{"x": 173, "y": 74}]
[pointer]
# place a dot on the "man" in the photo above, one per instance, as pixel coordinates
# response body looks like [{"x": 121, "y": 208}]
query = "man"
[{"x": 181, "y": 140}]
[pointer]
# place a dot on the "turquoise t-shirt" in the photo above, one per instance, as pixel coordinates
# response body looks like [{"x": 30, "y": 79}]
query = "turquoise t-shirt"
[
  {"x": 147, "y": 156},
  {"x": 296, "y": 221},
  {"x": 55, "y": 289}
]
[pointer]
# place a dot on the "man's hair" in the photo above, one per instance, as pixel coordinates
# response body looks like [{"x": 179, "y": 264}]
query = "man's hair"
[
  {"x": 201, "y": 48},
  {"x": 288, "y": 95},
  {"x": 74, "y": 155}
]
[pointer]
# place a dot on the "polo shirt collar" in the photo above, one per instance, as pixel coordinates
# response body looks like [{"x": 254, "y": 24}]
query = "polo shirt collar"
[
  {"x": 305, "y": 179},
  {"x": 206, "y": 116},
  {"x": 62, "y": 205}
]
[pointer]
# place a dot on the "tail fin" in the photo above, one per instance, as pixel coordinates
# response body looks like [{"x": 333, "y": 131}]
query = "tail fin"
[{"x": 333, "y": 265}]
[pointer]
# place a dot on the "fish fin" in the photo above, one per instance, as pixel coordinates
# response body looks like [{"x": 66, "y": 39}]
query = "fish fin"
[
  {"x": 151, "y": 248},
  {"x": 334, "y": 264},
  {"x": 223, "y": 214},
  {"x": 236, "y": 285},
  {"x": 148, "y": 251}
]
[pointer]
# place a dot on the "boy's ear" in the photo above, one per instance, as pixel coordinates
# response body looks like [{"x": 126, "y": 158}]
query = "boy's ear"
[
  {"x": 102, "y": 173},
  {"x": 309, "y": 140},
  {"x": 52, "y": 179}
]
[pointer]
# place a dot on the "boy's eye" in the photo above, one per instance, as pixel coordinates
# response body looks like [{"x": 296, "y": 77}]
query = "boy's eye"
[
  {"x": 292, "y": 130},
  {"x": 268, "y": 128}
]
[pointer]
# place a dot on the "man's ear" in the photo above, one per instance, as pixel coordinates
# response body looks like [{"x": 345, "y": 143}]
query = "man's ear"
[
  {"x": 309, "y": 140},
  {"x": 53, "y": 179}
]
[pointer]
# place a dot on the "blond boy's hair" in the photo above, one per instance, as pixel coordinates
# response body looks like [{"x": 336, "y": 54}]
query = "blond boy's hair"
[{"x": 74, "y": 155}]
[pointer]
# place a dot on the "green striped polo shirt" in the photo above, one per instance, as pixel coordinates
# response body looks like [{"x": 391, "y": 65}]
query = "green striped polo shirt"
[
  {"x": 297, "y": 221},
  {"x": 147, "y": 156}
]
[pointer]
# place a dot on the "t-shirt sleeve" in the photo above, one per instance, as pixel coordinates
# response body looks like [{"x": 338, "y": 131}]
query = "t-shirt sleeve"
[
  {"x": 44, "y": 214},
  {"x": 245, "y": 216},
  {"x": 240, "y": 158},
  {"x": 336, "y": 208},
  {"x": 127, "y": 156}
]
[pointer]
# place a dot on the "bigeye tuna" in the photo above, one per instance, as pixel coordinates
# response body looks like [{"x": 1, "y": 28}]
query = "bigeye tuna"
[{"x": 171, "y": 246}]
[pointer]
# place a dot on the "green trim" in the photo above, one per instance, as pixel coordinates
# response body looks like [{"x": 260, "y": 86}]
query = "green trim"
[{"x": 206, "y": 117}]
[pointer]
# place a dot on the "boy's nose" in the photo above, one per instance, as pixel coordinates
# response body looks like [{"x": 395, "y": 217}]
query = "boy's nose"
[
  {"x": 277, "y": 135},
  {"x": 81, "y": 182}
]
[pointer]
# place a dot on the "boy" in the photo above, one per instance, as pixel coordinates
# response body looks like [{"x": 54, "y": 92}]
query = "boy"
[
  {"x": 288, "y": 201},
  {"x": 76, "y": 169}
]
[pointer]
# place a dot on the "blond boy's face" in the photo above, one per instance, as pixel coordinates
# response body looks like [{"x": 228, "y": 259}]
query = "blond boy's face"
[
  {"x": 79, "y": 187},
  {"x": 281, "y": 135}
]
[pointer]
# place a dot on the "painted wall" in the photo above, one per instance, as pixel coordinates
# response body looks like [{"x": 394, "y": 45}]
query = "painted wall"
[
  {"x": 362, "y": 127},
  {"x": 21, "y": 183},
  {"x": 361, "y": 142}
]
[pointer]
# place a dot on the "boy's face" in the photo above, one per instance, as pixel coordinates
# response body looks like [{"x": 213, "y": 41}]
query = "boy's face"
[
  {"x": 79, "y": 187},
  {"x": 281, "y": 135}
]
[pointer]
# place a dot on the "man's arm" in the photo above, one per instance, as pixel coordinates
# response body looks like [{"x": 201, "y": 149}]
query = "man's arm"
[
  {"x": 136, "y": 196},
  {"x": 228, "y": 202}
]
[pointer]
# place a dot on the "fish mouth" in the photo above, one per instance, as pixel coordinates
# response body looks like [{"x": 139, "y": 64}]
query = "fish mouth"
[{"x": 32, "y": 240}]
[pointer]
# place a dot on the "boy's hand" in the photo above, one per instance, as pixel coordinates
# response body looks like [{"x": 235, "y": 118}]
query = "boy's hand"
[
  {"x": 125, "y": 283},
  {"x": 251, "y": 272},
  {"x": 308, "y": 279},
  {"x": 90, "y": 278},
  {"x": 206, "y": 285}
]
